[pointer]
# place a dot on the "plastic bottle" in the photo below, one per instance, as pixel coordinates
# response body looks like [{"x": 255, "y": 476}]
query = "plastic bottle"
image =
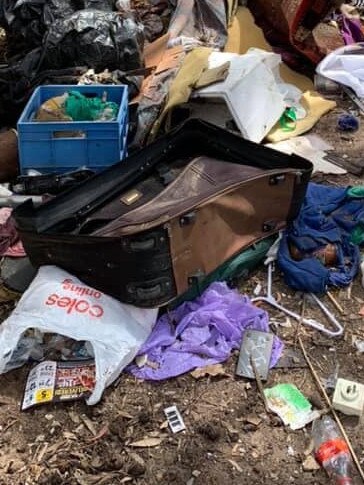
[{"x": 331, "y": 450}]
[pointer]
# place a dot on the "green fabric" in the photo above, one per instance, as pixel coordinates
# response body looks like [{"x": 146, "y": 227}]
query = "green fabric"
[
  {"x": 81, "y": 108},
  {"x": 356, "y": 192},
  {"x": 357, "y": 235},
  {"x": 236, "y": 267}
]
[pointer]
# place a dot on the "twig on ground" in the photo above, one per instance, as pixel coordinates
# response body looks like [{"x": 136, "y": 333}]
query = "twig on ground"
[
  {"x": 335, "y": 302},
  {"x": 299, "y": 323},
  {"x": 259, "y": 383}
]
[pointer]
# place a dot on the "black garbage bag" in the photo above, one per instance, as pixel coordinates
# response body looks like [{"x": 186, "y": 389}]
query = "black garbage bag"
[
  {"x": 94, "y": 38},
  {"x": 18, "y": 80},
  {"x": 26, "y": 21}
]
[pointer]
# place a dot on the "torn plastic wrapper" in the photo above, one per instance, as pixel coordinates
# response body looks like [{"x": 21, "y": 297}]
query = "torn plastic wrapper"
[
  {"x": 58, "y": 303},
  {"x": 290, "y": 405}
]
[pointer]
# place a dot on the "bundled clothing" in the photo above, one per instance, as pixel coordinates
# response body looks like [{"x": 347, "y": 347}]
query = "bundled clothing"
[{"x": 329, "y": 215}]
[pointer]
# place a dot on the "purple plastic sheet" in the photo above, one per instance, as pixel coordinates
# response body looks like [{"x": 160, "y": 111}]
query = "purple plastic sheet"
[{"x": 202, "y": 332}]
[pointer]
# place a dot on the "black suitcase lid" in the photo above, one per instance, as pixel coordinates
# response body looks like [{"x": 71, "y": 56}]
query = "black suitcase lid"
[{"x": 193, "y": 138}]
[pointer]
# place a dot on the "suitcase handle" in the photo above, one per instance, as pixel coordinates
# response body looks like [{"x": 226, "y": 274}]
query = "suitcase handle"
[
  {"x": 150, "y": 291},
  {"x": 145, "y": 245}
]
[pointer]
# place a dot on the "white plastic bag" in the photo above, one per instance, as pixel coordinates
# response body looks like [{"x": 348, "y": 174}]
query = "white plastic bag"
[
  {"x": 59, "y": 303},
  {"x": 345, "y": 66}
]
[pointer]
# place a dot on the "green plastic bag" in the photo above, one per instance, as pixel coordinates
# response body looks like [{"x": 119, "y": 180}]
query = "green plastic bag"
[{"x": 82, "y": 108}]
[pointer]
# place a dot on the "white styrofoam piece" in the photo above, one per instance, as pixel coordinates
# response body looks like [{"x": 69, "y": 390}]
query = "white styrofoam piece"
[
  {"x": 349, "y": 397},
  {"x": 251, "y": 91}
]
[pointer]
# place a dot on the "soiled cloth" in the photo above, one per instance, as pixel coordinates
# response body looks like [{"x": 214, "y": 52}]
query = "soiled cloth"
[
  {"x": 201, "y": 333},
  {"x": 328, "y": 215},
  {"x": 297, "y": 25},
  {"x": 204, "y": 22},
  {"x": 9, "y": 238}
]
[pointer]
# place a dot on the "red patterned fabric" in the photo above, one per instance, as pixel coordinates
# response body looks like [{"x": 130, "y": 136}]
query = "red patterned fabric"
[{"x": 297, "y": 24}]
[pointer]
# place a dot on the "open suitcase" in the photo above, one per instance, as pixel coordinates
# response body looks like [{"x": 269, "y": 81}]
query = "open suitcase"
[{"x": 148, "y": 228}]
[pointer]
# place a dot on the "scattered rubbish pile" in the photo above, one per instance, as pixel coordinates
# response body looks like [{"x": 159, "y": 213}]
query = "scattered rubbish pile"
[
  {"x": 56, "y": 42},
  {"x": 169, "y": 213}
]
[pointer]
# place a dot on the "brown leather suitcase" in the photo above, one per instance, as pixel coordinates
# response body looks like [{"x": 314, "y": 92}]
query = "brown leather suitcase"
[{"x": 147, "y": 229}]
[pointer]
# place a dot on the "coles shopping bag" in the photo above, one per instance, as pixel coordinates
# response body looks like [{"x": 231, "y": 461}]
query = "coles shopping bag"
[{"x": 59, "y": 303}]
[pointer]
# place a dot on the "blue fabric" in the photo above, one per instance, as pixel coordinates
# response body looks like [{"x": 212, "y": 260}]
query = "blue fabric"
[{"x": 328, "y": 215}]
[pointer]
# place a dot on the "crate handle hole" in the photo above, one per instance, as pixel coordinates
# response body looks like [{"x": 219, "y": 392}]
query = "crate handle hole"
[{"x": 69, "y": 134}]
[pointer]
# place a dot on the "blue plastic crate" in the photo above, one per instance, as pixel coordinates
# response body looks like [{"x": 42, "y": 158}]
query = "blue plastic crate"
[{"x": 99, "y": 143}]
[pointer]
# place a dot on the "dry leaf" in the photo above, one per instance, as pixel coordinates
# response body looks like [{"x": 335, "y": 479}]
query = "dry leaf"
[
  {"x": 361, "y": 311},
  {"x": 236, "y": 466},
  {"x": 310, "y": 464},
  {"x": 164, "y": 425},
  {"x": 75, "y": 418},
  {"x": 252, "y": 419},
  {"x": 209, "y": 370},
  {"x": 309, "y": 448},
  {"x": 89, "y": 424},
  {"x": 103, "y": 431},
  {"x": 147, "y": 443},
  {"x": 125, "y": 415}
]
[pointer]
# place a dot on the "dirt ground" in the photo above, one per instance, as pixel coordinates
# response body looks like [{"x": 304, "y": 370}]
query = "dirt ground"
[{"x": 229, "y": 437}]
